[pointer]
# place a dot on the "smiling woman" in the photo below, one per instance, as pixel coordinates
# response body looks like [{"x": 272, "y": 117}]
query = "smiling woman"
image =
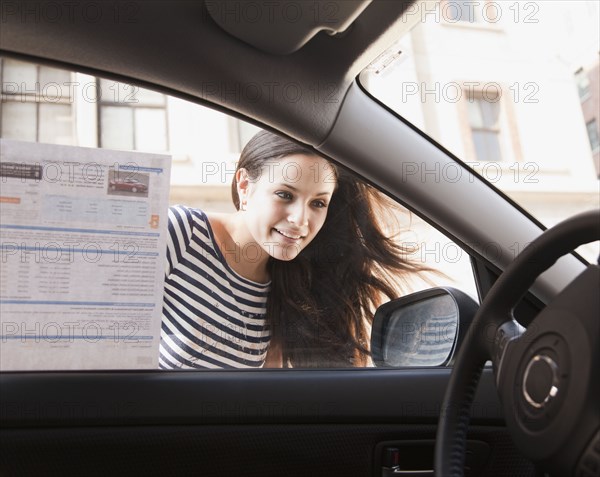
[{"x": 286, "y": 280}]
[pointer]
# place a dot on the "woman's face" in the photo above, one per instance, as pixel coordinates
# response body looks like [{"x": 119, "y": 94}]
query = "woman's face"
[{"x": 286, "y": 205}]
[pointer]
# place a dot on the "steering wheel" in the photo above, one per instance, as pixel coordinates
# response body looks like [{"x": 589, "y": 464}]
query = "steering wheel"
[{"x": 547, "y": 377}]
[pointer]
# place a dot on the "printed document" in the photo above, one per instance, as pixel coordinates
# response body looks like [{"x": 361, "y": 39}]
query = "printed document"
[{"x": 82, "y": 235}]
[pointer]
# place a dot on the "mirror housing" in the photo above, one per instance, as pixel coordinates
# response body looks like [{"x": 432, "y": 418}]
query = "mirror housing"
[{"x": 421, "y": 329}]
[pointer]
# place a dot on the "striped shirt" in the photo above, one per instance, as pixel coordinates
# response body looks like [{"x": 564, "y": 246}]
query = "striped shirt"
[{"x": 212, "y": 317}]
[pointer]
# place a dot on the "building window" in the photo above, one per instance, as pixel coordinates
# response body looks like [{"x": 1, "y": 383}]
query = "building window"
[
  {"x": 36, "y": 103},
  {"x": 132, "y": 118},
  {"x": 583, "y": 84},
  {"x": 592, "y": 130},
  {"x": 484, "y": 121}
]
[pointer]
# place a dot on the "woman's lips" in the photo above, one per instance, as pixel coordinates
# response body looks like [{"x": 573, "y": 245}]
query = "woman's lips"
[{"x": 288, "y": 236}]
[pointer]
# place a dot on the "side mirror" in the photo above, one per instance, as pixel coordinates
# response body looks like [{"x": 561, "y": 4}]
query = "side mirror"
[{"x": 421, "y": 329}]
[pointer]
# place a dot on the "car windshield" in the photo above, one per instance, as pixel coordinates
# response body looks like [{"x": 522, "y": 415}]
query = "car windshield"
[{"x": 510, "y": 88}]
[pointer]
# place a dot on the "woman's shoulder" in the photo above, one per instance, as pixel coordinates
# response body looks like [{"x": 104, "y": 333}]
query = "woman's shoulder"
[
  {"x": 191, "y": 215},
  {"x": 216, "y": 222},
  {"x": 216, "y": 219},
  {"x": 186, "y": 222},
  {"x": 186, "y": 210},
  {"x": 210, "y": 224}
]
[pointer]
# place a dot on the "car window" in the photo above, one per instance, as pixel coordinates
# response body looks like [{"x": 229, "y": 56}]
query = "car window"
[
  {"x": 510, "y": 88},
  {"x": 56, "y": 108}
]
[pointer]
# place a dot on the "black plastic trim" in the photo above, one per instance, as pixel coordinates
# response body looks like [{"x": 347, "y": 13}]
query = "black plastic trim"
[{"x": 102, "y": 398}]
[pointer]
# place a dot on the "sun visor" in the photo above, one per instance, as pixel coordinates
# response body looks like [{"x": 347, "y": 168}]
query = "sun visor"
[{"x": 283, "y": 27}]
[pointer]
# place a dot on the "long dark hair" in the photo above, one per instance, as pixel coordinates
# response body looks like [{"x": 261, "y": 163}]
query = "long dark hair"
[{"x": 321, "y": 303}]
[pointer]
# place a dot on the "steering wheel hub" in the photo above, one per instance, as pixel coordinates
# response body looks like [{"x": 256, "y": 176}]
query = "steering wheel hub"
[{"x": 540, "y": 381}]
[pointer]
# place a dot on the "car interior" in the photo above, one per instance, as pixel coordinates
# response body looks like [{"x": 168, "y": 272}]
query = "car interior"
[{"x": 516, "y": 390}]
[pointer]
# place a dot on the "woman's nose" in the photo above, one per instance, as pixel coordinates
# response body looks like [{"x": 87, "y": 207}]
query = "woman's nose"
[{"x": 298, "y": 215}]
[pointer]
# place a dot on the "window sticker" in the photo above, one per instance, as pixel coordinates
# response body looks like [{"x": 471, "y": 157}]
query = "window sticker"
[{"x": 82, "y": 242}]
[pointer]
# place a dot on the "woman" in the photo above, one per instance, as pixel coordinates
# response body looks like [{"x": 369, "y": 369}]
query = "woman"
[{"x": 290, "y": 279}]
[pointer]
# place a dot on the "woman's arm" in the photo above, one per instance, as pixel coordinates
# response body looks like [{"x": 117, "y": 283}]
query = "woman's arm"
[{"x": 274, "y": 357}]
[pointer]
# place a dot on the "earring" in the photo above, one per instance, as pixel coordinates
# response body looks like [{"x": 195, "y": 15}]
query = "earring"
[{"x": 243, "y": 205}]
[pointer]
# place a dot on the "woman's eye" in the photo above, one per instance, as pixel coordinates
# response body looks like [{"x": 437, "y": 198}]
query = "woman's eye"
[
  {"x": 320, "y": 204},
  {"x": 284, "y": 195}
]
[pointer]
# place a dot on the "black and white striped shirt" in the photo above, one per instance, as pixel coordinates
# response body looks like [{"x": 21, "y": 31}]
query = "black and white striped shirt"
[{"x": 212, "y": 317}]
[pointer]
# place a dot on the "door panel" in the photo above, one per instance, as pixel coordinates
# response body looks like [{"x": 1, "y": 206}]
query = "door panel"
[{"x": 249, "y": 423}]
